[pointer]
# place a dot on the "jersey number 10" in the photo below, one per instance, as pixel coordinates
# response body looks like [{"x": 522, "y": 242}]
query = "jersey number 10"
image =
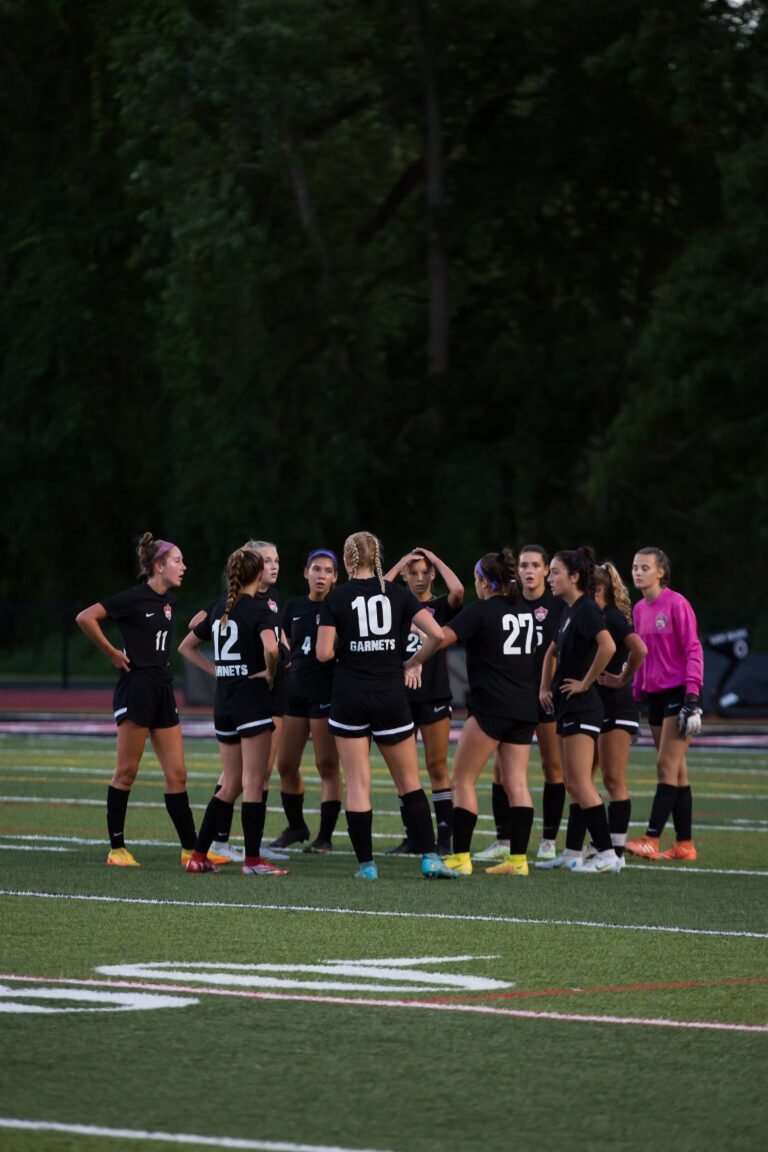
[{"x": 374, "y": 615}]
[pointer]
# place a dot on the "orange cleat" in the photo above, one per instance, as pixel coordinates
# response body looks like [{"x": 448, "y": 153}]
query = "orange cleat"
[
  {"x": 122, "y": 858},
  {"x": 680, "y": 850},
  {"x": 647, "y": 846}
]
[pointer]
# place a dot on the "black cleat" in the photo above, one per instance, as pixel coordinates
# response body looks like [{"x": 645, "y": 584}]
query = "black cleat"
[
  {"x": 405, "y": 848},
  {"x": 290, "y": 836},
  {"x": 320, "y": 847}
]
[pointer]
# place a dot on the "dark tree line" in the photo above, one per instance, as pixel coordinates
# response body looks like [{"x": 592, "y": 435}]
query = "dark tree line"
[{"x": 463, "y": 274}]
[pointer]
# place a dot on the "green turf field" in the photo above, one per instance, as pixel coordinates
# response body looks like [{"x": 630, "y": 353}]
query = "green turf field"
[{"x": 146, "y": 1007}]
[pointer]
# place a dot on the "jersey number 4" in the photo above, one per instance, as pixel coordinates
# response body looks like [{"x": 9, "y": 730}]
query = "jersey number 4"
[{"x": 519, "y": 627}]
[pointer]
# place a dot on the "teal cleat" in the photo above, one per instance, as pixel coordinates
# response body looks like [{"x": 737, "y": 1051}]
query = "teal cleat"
[
  {"x": 433, "y": 868},
  {"x": 367, "y": 871}
]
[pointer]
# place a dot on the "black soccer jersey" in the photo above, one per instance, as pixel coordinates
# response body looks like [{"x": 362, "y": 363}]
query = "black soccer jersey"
[
  {"x": 576, "y": 647},
  {"x": 370, "y": 627},
  {"x": 435, "y": 683},
  {"x": 306, "y": 675},
  {"x": 145, "y": 619},
  {"x": 238, "y": 650},
  {"x": 547, "y": 610},
  {"x": 500, "y": 642},
  {"x": 619, "y": 628}
]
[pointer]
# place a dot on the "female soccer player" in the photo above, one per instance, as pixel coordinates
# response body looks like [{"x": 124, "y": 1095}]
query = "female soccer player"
[
  {"x": 363, "y": 624},
  {"x": 621, "y": 719},
  {"x": 241, "y": 627},
  {"x": 572, "y": 664},
  {"x": 144, "y": 703},
  {"x": 431, "y": 700},
  {"x": 499, "y": 635},
  {"x": 532, "y": 572},
  {"x": 309, "y": 687},
  {"x": 672, "y": 677}
]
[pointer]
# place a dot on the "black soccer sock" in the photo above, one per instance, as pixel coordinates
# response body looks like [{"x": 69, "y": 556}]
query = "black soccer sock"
[
  {"x": 217, "y": 814},
  {"x": 576, "y": 829},
  {"x": 224, "y": 829},
  {"x": 329, "y": 815},
  {"x": 500, "y": 808},
  {"x": 663, "y": 803},
  {"x": 360, "y": 828},
  {"x": 442, "y": 802},
  {"x": 117, "y": 803},
  {"x": 597, "y": 822},
  {"x": 177, "y": 805},
  {"x": 402, "y": 817},
  {"x": 293, "y": 806},
  {"x": 463, "y": 826},
  {"x": 682, "y": 813},
  {"x": 253, "y": 814},
  {"x": 619, "y": 813},
  {"x": 520, "y": 824},
  {"x": 418, "y": 821},
  {"x": 552, "y": 810}
]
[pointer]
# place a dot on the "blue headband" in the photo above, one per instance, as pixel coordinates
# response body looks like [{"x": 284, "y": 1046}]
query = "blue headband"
[
  {"x": 479, "y": 572},
  {"x": 322, "y": 552}
]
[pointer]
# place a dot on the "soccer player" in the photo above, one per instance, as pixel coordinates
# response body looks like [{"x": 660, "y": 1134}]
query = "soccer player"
[
  {"x": 621, "y": 717},
  {"x": 362, "y": 625},
  {"x": 144, "y": 703},
  {"x": 576, "y": 657},
  {"x": 532, "y": 572},
  {"x": 672, "y": 678},
  {"x": 431, "y": 700},
  {"x": 309, "y": 687},
  {"x": 499, "y": 635},
  {"x": 242, "y": 628}
]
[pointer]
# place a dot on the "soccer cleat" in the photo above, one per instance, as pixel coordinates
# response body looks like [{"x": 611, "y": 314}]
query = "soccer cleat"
[
  {"x": 565, "y": 859},
  {"x": 606, "y": 861},
  {"x": 460, "y": 863},
  {"x": 262, "y": 867},
  {"x": 122, "y": 858},
  {"x": 290, "y": 836},
  {"x": 511, "y": 866},
  {"x": 272, "y": 853},
  {"x": 433, "y": 868},
  {"x": 186, "y": 856},
  {"x": 319, "y": 847},
  {"x": 647, "y": 846},
  {"x": 367, "y": 871},
  {"x": 589, "y": 851},
  {"x": 404, "y": 848},
  {"x": 224, "y": 852},
  {"x": 200, "y": 863},
  {"x": 499, "y": 850},
  {"x": 680, "y": 850},
  {"x": 547, "y": 850}
]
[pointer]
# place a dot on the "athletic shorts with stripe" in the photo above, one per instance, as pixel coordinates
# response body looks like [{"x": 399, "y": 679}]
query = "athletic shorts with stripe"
[
  {"x": 232, "y": 727},
  {"x": 620, "y": 711},
  {"x": 385, "y": 715},
  {"x": 663, "y": 704},
  {"x": 146, "y": 698},
  {"x": 586, "y": 722}
]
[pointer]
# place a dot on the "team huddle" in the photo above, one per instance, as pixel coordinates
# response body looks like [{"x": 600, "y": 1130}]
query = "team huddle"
[{"x": 554, "y": 649}]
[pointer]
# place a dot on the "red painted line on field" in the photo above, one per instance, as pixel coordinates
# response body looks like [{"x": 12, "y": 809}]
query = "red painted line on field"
[
  {"x": 599, "y": 988},
  {"x": 429, "y": 1005}
]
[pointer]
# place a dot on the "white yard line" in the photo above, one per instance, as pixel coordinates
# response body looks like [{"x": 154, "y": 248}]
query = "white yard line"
[
  {"x": 384, "y": 914},
  {"x": 187, "y": 1138}
]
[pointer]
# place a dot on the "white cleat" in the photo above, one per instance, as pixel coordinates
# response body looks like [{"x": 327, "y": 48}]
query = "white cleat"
[
  {"x": 499, "y": 850},
  {"x": 547, "y": 850},
  {"x": 602, "y": 862},
  {"x": 566, "y": 859}
]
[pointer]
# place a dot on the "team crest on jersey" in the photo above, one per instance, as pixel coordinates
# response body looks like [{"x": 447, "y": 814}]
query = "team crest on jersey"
[
  {"x": 430, "y": 610},
  {"x": 661, "y": 621},
  {"x": 168, "y": 611},
  {"x": 272, "y": 605},
  {"x": 541, "y": 613}
]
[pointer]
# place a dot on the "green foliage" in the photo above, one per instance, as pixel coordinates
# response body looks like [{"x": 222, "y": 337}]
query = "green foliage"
[{"x": 229, "y": 231}]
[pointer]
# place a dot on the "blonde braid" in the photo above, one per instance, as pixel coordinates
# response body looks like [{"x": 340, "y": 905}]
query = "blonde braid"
[
  {"x": 351, "y": 550},
  {"x": 377, "y": 562}
]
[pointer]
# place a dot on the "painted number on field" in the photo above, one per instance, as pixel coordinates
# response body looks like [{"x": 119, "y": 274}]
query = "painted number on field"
[
  {"x": 50, "y": 1001},
  {"x": 398, "y": 974}
]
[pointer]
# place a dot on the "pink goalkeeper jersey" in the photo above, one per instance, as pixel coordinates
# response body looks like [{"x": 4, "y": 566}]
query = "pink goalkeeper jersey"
[{"x": 668, "y": 629}]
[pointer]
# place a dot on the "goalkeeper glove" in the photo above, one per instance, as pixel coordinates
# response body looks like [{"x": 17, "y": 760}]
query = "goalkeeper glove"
[{"x": 689, "y": 716}]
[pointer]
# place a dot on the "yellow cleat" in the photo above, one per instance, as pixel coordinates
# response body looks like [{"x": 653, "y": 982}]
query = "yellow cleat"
[
  {"x": 460, "y": 862},
  {"x": 122, "y": 858},
  {"x": 213, "y": 857},
  {"x": 511, "y": 866}
]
